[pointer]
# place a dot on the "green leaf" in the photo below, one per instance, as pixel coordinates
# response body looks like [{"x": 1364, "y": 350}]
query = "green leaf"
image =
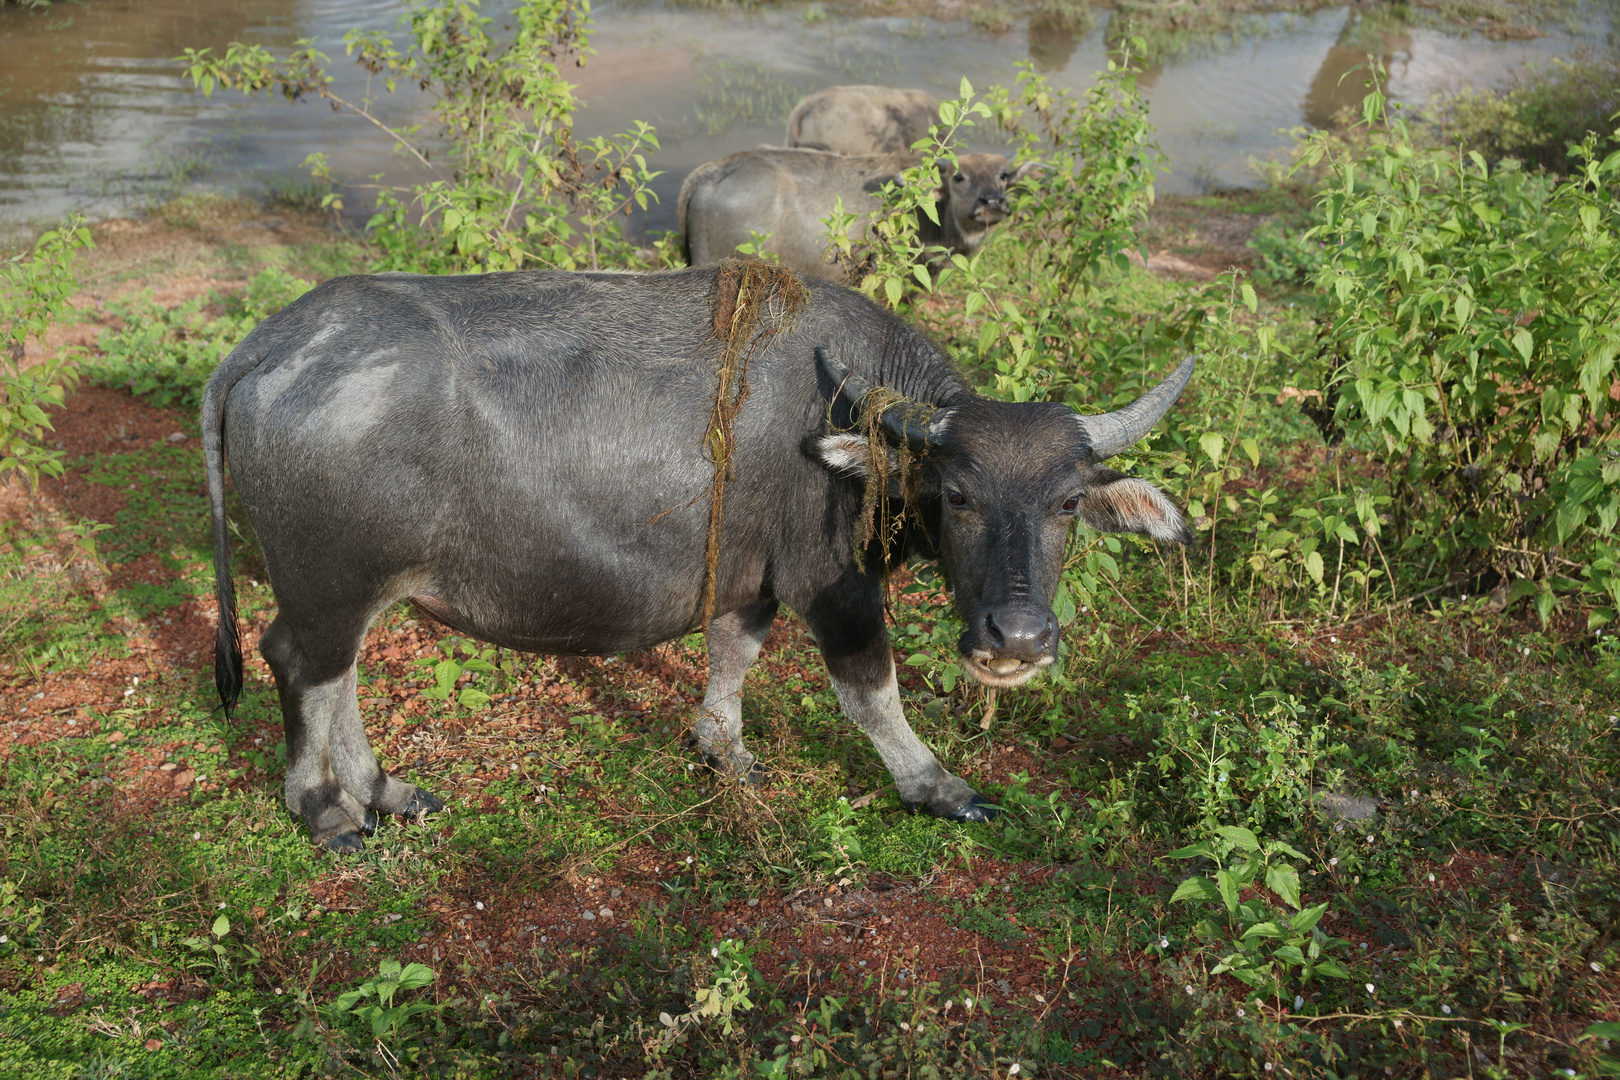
[
  {"x": 1308, "y": 918},
  {"x": 1283, "y": 880},
  {"x": 1252, "y": 448},
  {"x": 1524, "y": 342},
  {"x": 1191, "y": 850},
  {"x": 1332, "y": 968},
  {"x": 1239, "y": 837},
  {"x": 1266, "y": 929},
  {"x": 222, "y": 926},
  {"x": 1314, "y": 567},
  {"x": 1227, "y": 883},
  {"x": 415, "y": 976},
  {"x": 1212, "y": 444},
  {"x": 1250, "y": 300},
  {"x": 1196, "y": 889},
  {"x": 1289, "y": 954}
]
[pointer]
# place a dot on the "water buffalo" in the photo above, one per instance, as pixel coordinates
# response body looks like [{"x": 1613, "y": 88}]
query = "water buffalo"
[
  {"x": 787, "y": 193},
  {"x": 862, "y": 119},
  {"x": 529, "y": 456}
]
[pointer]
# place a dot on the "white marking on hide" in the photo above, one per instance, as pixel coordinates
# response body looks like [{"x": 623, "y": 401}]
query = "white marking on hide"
[{"x": 359, "y": 402}]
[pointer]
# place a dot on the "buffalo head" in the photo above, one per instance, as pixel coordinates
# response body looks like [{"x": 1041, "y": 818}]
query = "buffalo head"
[
  {"x": 1001, "y": 485},
  {"x": 972, "y": 191}
]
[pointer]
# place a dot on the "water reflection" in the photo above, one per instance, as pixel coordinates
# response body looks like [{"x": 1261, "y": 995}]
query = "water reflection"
[
  {"x": 1339, "y": 85},
  {"x": 95, "y": 114}
]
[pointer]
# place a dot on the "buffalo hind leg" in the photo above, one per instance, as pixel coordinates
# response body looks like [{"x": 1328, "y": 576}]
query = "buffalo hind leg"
[
  {"x": 333, "y": 782},
  {"x": 734, "y": 641},
  {"x": 861, "y": 663}
]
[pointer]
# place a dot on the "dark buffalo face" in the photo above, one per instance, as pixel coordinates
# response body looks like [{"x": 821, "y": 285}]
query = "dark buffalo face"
[{"x": 1010, "y": 480}]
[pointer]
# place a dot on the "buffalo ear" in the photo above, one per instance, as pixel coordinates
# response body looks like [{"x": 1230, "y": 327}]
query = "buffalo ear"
[
  {"x": 1029, "y": 170},
  {"x": 845, "y": 454},
  {"x": 848, "y": 454},
  {"x": 1119, "y": 503}
]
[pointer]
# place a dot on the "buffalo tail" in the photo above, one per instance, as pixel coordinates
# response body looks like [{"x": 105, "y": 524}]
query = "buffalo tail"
[{"x": 227, "y": 639}]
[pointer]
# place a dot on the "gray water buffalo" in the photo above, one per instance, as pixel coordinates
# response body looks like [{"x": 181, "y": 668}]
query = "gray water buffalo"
[
  {"x": 530, "y": 456},
  {"x": 787, "y": 194},
  {"x": 862, "y": 120}
]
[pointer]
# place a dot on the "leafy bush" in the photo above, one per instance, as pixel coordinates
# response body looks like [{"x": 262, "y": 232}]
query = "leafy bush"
[
  {"x": 1471, "y": 348},
  {"x": 1538, "y": 120},
  {"x": 1286, "y": 257},
  {"x": 519, "y": 189},
  {"x": 34, "y": 288},
  {"x": 166, "y": 355}
]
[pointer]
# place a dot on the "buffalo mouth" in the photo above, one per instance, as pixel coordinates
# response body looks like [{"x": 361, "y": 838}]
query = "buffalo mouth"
[
  {"x": 989, "y": 215},
  {"x": 1002, "y": 672}
]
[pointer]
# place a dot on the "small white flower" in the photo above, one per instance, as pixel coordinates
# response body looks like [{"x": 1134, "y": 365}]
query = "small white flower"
[
  {"x": 904, "y": 1026},
  {"x": 222, "y": 905},
  {"x": 715, "y": 953},
  {"x": 689, "y": 860},
  {"x": 1268, "y": 1066},
  {"x": 278, "y": 989},
  {"x": 1334, "y": 640},
  {"x": 1596, "y": 966},
  {"x": 1299, "y": 1002},
  {"x": 1189, "y": 990},
  {"x": 196, "y": 836},
  {"x": 1363, "y": 944},
  {"x": 1446, "y": 1009},
  {"x": 4, "y": 938},
  {"x": 1241, "y": 1014},
  {"x": 967, "y": 1003},
  {"x": 1333, "y": 861},
  {"x": 1164, "y": 943},
  {"x": 1431, "y": 878},
  {"x": 1399, "y": 1024},
  {"x": 1370, "y": 988},
  {"x": 1012, "y": 1070},
  {"x": 479, "y": 905}
]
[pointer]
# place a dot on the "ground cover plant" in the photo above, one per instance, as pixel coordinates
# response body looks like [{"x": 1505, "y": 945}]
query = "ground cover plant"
[{"x": 1307, "y": 799}]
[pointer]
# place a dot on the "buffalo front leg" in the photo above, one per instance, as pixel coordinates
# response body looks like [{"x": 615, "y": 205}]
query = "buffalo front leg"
[
  {"x": 734, "y": 641},
  {"x": 861, "y": 664}
]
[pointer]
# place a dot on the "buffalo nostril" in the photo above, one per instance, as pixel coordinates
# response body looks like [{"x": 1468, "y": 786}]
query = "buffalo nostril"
[{"x": 992, "y": 633}]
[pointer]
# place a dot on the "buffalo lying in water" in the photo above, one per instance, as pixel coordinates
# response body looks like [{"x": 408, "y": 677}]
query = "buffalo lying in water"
[{"x": 526, "y": 454}]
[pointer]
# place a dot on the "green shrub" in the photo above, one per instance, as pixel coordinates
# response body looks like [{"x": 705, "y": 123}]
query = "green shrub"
[
  {"x": 34, "y": 288},
  {"x": 1547, "y": 112},
  {"x": 1471, "y": 349},
  {"x": 1286, "y": 257},
  {"x": 166, "y": 355},
  {"x": 512, "y": 185}
]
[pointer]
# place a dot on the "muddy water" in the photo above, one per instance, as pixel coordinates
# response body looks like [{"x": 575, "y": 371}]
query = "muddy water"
[{"x": 94, "y": 114}]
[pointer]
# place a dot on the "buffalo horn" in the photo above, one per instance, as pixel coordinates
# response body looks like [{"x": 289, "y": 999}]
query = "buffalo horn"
[
  {"x": 1112, "y": 432},
  {"x": 900, "y": 421}
]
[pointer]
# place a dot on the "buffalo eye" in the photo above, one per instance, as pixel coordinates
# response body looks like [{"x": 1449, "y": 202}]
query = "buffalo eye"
[
  {"x": 956, "y": 498},
  {"x": 1005, "y": 177},
  {"x": 1072, "y": 504},
  {"x": 958, "y": 178}
]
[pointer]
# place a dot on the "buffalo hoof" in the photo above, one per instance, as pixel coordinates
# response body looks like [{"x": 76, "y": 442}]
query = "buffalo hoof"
[
  {"x": 368, "y": 827},
  {"x": 346, "y": 843},
  {"x": 754, "y": 776},
  {"x": 977, "y": 808},
  {"x": 421, "y": 805}
]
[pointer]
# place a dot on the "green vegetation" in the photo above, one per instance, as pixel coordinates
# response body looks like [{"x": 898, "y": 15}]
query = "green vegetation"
[
  {"x": 1330, "y": 793},
  {"x": 34, "y": 288}
]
